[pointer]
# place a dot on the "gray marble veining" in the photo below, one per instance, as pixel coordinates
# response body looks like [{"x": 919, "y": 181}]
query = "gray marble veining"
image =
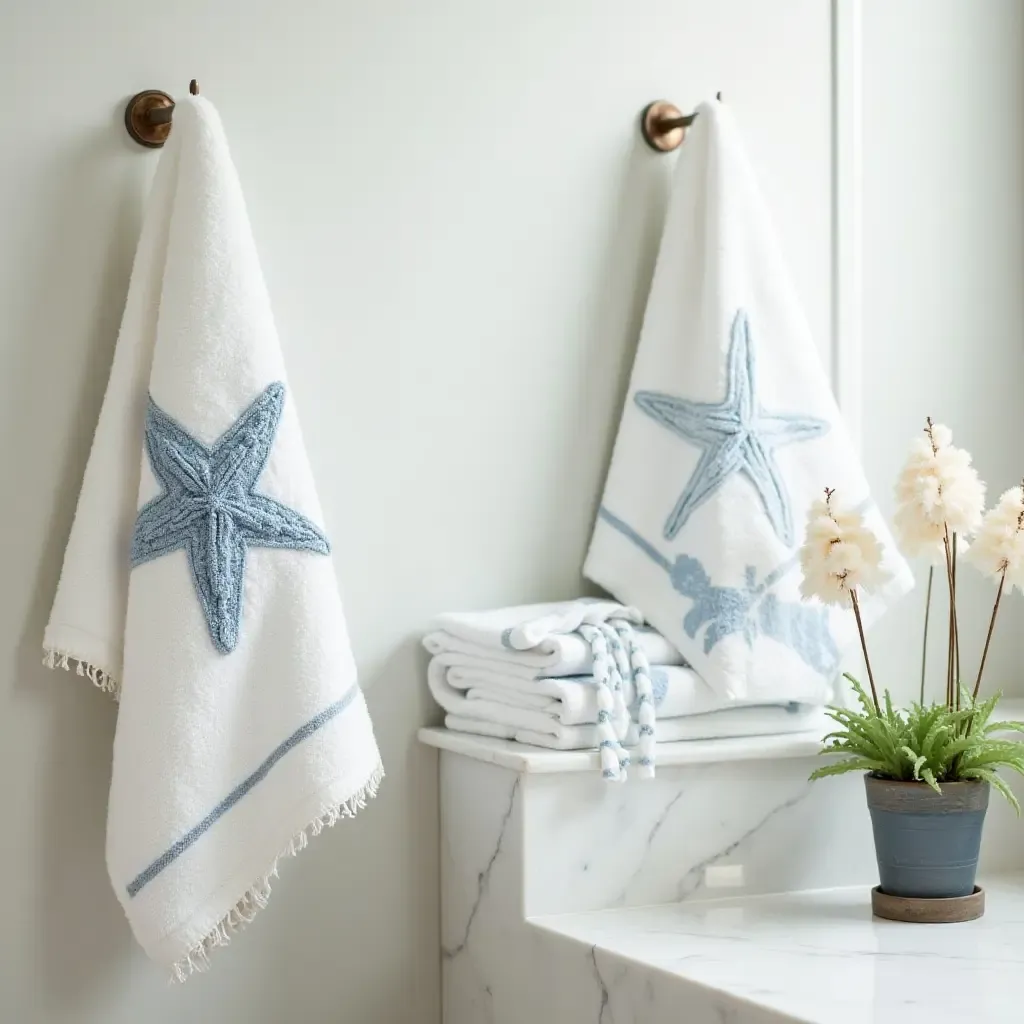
[{"x": 566, "y": 900}]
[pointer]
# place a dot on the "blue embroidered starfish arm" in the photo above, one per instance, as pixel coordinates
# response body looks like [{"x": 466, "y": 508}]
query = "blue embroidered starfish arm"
[
  {"x": 735, "y": 435},
  {"x": 210, "y": 509}
]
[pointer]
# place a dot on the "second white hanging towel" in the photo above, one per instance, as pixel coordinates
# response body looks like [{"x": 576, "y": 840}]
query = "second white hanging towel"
[{"x": 730, "y": 430}]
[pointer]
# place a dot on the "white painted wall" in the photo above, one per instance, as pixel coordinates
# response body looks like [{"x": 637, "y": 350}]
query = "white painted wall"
[
  {"x": 943, "y": 264},
  {"x": 457, "y": 224}
]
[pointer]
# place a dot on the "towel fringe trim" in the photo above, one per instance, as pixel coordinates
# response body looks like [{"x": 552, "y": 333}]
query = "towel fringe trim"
[
  {"x": 53, "y": 658},
  {"x": 197, "y": 960}
]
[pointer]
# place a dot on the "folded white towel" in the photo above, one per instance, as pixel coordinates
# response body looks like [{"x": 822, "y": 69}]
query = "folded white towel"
[
  {"x": 473, "y": 692},
  {"x": 730, "y": 430},
  {"x": 750, "y": 720},
  {"x": 570, "y": 654},
  {"x": 584, "y": 635},
  {"x": 538, "y": 640},
  {"x": 197, "y": 581}
]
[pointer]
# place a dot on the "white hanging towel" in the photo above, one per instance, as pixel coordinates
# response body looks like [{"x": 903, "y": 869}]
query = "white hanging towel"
[
  {"x": 729, "y": 431},
  {"x": 197, "y": 583}
]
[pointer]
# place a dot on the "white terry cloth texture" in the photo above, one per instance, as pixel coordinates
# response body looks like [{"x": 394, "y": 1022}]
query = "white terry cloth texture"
[
  {"x": 197, "y": 584},
  {"x": 729, "y": 723},
  {"x": 729, "y": 432},
  {"x": 586, "y": 634},
  {"x": 553, "y": 702},
  {"x": 536, "y": 641}
]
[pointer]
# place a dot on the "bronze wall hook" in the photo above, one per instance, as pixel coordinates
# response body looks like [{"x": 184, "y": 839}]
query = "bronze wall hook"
[
  {"x": 663, "y": 125},
  {"x": 148, "y": 116}
]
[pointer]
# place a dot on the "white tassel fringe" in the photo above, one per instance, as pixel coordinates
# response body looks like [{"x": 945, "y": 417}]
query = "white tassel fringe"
[
  {"x": 610, "y": 763},
  {"x": 646, "y": 716},
  {"x": 646, "y": 713},
  {"x": 100, "y": 679},
  {"x": 255, "y": 899}
]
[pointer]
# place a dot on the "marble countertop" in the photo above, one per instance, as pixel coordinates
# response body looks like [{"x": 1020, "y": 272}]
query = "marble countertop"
[{"x": 821, "y": 958}]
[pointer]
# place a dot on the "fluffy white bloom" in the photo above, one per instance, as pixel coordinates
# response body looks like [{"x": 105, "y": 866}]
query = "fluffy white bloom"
[
  {"x": 937, "y": 491},
  {"x": 999, "y": 546},
  {"x": 840, "y": 554}
]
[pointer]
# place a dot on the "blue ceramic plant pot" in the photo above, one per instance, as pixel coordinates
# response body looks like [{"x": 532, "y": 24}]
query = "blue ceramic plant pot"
[{"x": 927, "y": 843}]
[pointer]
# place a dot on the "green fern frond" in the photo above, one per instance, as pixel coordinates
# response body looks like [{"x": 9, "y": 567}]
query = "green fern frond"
[
  {"x": 956, "y": 719},
  {"x": 862, "y": 697},
  {"x": 853, "y": 764},
  {"x": 935, "y": 738},
  {"x": 931, "y": 744},
  {"x": 992, "y": 754},
  {"x": 918, "y": 762},
  {"x": 865, "y": 735},
  {"x": 883, "y": 735},
  {"x": 982, "y": 711},
  {"x": 944, "y": 757},
  {"x": 993, "y": 779},
  {"x": 995, "y": 727},
  {"x": 924, "y": 723},
  {"x": 891, "y": 717},
  {"x": 929, "y": 776}
]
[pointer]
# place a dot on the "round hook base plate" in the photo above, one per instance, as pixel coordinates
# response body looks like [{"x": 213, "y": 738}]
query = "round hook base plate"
[
  {"x": 136, "y": 118},
  {"x": 656, "y": 137}
]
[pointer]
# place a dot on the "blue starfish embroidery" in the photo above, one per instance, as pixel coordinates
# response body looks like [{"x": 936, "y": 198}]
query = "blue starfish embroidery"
[
  {"x": 211, "y": 509},
  {"x": 737, "y": 436}
]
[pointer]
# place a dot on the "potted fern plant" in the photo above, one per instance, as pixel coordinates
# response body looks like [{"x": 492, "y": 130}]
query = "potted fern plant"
[{"x": 928, "y": 768}]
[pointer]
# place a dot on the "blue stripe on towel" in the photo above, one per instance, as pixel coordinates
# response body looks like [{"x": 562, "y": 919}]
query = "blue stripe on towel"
[
  {"x": 646, "y": 547},
  {"x": 195, "y": 833}
]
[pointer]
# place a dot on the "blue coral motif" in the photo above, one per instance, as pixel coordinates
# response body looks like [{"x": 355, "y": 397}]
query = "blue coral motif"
[
  {"x": 750, "y": 611},
  {"x": 659, "y": 686},
  {"x": 803, "y": 627}
]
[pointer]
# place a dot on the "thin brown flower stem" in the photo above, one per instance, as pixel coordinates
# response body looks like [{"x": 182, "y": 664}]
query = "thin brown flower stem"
[
  {"x": 951, "y": 651},
  {"x": 956, "y": 633},
  {"x": 988, "y": 637},
  {"x": 864, "y": 648},
  {"x": 927, "y": 615},
  {"x": 949, "y": 664}
]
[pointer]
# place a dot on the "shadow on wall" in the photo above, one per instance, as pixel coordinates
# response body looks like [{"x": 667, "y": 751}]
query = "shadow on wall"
[
  {"x": 612, "y": 335},
  {"x": 336, "y": 870},
  {"x": 83, "y": 255}
]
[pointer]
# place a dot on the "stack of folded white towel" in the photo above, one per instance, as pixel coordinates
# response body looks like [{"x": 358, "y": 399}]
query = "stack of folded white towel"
[{"x": 584, "y": 674}]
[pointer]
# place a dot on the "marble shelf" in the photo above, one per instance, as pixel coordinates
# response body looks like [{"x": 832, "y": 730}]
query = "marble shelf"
[
  {"x": 812, "y": 957},
  {"x": 570, "y": 900}
]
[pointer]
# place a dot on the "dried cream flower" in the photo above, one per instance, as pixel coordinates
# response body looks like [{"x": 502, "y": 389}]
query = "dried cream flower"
[
  {"x": 938, "y": 493},
  {"x": 999, "y": 546},
  {"x": 839, "y": 555}
]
